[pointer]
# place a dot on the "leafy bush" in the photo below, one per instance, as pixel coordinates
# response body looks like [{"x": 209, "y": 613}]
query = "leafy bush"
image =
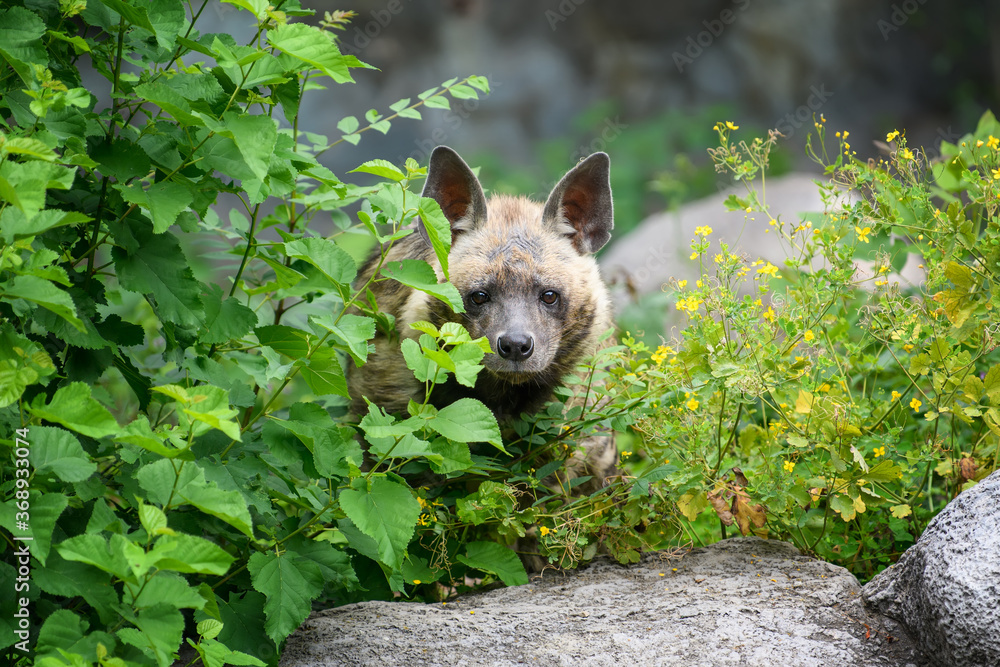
[{"x": 828, "y": 402}]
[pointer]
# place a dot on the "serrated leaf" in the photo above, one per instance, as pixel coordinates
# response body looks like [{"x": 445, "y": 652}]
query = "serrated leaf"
[
  {"x": 226, "y": 320},
  {"x": 418, "y": 274},
  {"x": 467, "y": 420},
  {"x": 289, "y": 585},
  {"x": 387, "y": 513},
  {"x": 324, "y": 374},
  {"x": 351, "y": 331},
  {"x": 73, "y": 407},
  {"x": 314, "y": 47},
  {"x": 991, "y": 384},
  {"x": 883, "y": 471},
  {"x": 58, "y": 451},
  {"x": 14, "y": 224},
  {"x": 45, "y": 294},
  {"x": 438, "y": 230},
  {"x": 159, "y": 270},
  {"x": 496, "y": 559},
  {"x": 332, "y": 260},
  {"x": 191, "y": 554},
  {"x": 285, "y": 340},
  {"x": 165, "y": 587},
  {"x": 901, "y": 511},
  {"x": 21, "y": 45},
  {"x": 44, "y": 511},
  {"x": 160, "y": 629},
  {"x": 844, "y": 506},
  {"x": 94, "y": 549}
]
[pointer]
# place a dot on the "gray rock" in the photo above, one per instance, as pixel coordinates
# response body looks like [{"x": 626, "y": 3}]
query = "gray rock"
[
  {"x": 946, "y": 587},
  {"x": 742, "y": 601}
]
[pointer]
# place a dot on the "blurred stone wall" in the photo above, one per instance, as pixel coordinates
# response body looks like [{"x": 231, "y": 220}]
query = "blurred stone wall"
[{"x": 927, "y": 65}]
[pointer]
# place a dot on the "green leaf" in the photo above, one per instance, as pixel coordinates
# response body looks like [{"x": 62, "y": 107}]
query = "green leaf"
[
  {"x": 168, "y": 99},
  {"x": 382, "y": 168},
  {"x": 437, "y": 102},
  {"x": 184, "y": 482},
  {"x": 462, "y": 92},
  {"x": 387, "y": 513},
  {"x": 73, "y": 407},
  {"x": 901, "y": 511},
  {"x": 21, "y": 41},
  {"x": 290, "y": 342},
  {"x": 58, "y": 451},
  {"x": 884, "y": 471},
  {"x": 160, "y": 629},
  {"x": 332, "y": 260},
  {"x": 991, "y": 384},
  {"x": 14, "y": 224},
  {"x": 467, "y": 420},
  {"x": 45, "y": 294},
  {"x": 192, "y": 555},
  {"x": 495, "y": 559},
  {"x": 290, "y": 586},
  {"x": 352, "y": 331},
  {"x": 314, "y": 47},
  {"x": 165, "y": 587},
  {"x": 438, "y": 230},
  {"x": 225, "y": 320},
  {"x": 324, "y": 374},
  {"x": 255, "y": 137},
  {"x": 43, "y": 513},
  {"x": 164, "y": 201},
  {"x": 94, "y": 549},
  {"x": 159, "y": 270},
  {"x": 844, "y": 506},
  {"x": 65, "y": 631},
  {"x": 256, "y": 7},
  {"x": 418, "y": 274}
]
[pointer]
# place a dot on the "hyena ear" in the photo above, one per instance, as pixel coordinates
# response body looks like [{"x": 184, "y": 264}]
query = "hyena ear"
[
  {"x": 582, "y": 200},
  {"x": 456, "y": 189}
]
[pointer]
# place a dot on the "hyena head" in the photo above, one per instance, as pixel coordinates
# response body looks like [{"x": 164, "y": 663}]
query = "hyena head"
[{"x": 525, "y": 270}]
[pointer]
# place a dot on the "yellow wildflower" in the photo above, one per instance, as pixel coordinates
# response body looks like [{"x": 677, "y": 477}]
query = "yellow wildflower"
[
  {"x": 896, "y": 396},
  {"x": 891, "y": 136},
  {"x": 769, "y": 270},
  {"x": 731, "y": 126},
  {"x": 915, "y": 404},
  {"x": 879, "y": 451},
  {"x": 906, "y": 154},
  {"x": 682, "y": 284},
  {"x": 996, "y": 174},
  {"x": 693, "y": 256},
  {"x": 992, "y": 142},
  {"x": 808, "y": 336},
  {"x": 702, "y": 231},
  {"x": 692, "y": 405},
  {"x": 862, "y": 233},
  {"x": 789, "y": 466}
]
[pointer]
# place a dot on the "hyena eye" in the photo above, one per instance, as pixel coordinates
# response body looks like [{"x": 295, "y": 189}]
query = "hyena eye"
[
  {"x": 549, "y": 297},
  {"x": 479, "y": 298}
]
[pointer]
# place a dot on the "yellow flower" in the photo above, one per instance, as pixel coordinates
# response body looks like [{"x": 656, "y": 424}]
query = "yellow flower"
[
  {"x": 808, "y": 336},
  {"x": 416, "y": 581},
  {"x": 682, "y": 283},
  {"x": 915, "y": 404},
  {"x": 789, "y": 466},
  {"x": 703, "y": 231},
  {"x": 769, "y": 270},
  {"x": 693, "y": 256},
  {"x": 769, "y": 314},
  {"x": 908, "y": 347},
  {"x": 992, "y": 142},
  {"x": 996, "y": 174},
  {"x": 879, "y": 451},
  {"x": 692, "y": 405},
  {"x": 731, "y": 126},
  {"x": 906, "y": 154},
  {"x": 896, "y": 396},
  {"x": 824, "y": 387},
  {"x": 862, "y": 233},
  {"x": 891, "y": 136}
]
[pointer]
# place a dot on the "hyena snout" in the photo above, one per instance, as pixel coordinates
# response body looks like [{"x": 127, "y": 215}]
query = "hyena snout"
[{"x": 515, "y": 346}]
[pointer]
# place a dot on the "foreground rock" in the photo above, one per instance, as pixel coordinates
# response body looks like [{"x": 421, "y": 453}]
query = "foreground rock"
[
  {"x": 946, "y": 588},
  {"x": 739, "y": 602}
]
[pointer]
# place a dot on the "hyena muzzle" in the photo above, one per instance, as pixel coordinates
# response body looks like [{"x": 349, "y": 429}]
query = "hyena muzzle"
[{"x": 529, "y": 284}]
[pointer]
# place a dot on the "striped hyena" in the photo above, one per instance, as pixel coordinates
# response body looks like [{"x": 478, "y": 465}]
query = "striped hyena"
[{"x": 529, "y": 283}]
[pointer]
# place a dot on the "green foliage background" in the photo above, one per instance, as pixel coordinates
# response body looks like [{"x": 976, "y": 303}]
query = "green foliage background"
[{"x": 193, "y": 481}]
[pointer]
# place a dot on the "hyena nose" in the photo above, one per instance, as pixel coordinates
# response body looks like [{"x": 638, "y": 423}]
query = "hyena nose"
[{"x": 515, "y": 347}]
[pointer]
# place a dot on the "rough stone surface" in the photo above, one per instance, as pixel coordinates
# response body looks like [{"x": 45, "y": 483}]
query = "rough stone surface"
[
  {"x": 742, "y": 601},
  {"x": 946, "y": 588}
]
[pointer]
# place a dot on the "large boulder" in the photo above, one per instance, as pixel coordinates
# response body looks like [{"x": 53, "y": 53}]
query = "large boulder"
[
  {"x": 742, "y": 601},
  {"x": 946, "y": 588}
]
